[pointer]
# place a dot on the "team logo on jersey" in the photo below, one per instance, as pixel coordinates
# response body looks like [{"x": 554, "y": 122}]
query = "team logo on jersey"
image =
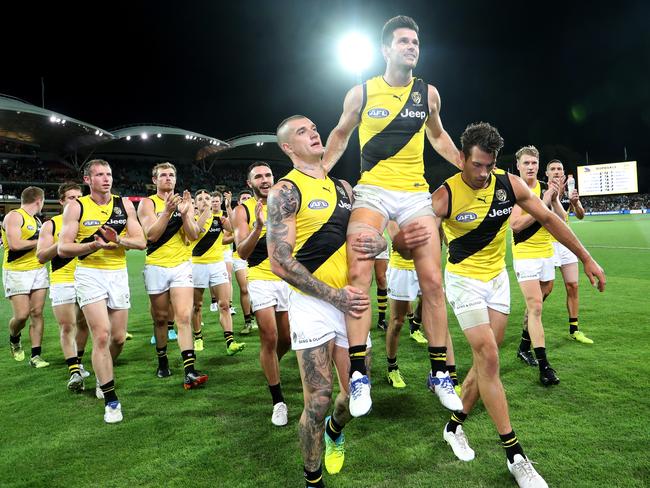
[
  {"x": 416, "y": 97},
  {"x": 341, "y": 191},
  {"x": 466, "y": 217},
  {"x": 318, "y": 204},
  {"x": 90, "y": 223},
  {"x": 117, "y": 211},
  {"x": 501, "y": 195},
  {"x": 378, "y": 113}
]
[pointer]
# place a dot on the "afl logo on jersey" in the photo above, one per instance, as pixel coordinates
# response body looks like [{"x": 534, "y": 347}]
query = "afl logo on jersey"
[
  {"x": 378, "y": 113},
  {"x": 90, "y": 223},
  {"x": 466, "y": 217},
  {"x": 318, "y": 204}
]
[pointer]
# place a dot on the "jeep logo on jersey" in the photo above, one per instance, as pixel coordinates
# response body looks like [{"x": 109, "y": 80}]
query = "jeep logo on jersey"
[
  {"x": 466, "y": 217},
  {"x": 378, "y": 113},
  {"x": 499, "y": 213},
  {"x": 318, "y": 204},
  {"x": 90, "y": 223},
  {"x": 417, "y": 114},
  {"x": 113, "y": 222}
]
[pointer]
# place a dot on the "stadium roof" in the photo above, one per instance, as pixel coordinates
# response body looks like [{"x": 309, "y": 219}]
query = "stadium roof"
[
  {"x": 251, "y": 147},
  {"x": 45, "y": 129},
  {"x": 159, "y": 141}
]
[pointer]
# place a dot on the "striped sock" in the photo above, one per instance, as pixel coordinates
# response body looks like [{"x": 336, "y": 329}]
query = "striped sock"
[
  {"x": 511, "y": 444},
  {"x": 438, "y": 358},
  {"x": 357, "y": 359},
  {"x": 382, "y": 303}
]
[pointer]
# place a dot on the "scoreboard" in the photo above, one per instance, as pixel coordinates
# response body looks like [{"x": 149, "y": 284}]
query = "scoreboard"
[{"x": 608, "y": 179}]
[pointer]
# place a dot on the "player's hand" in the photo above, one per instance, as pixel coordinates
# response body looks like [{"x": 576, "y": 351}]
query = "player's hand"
[
  {"x": 411, "y": 236},
  {"x": 109, "y": 234},
  {"x": 172, "y": 200},
  {"x": 102, "y": 244},
  {"x": 369, "y": 245},
  {"x": 351, "y": 301},
  {"x": 185, "y": 207},
  {"x": 595, "y": 273},
  {"x": 227, "y": 198},
  {"x": 574, "y": 197},
  {"x": 259, "y": 214},
  {"x": 561, "y": 182}
]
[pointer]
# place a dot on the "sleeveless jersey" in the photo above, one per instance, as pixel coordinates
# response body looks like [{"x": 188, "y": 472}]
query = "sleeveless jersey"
[
  {"x": 533, "y": 241},
  {"x": 259, "y": 266},
  {"x": 391, "y": 135},
  {"x": 92, "y": 217},
  {"x": 321, "y": 227},
  {"x": 224, "y": 247},
  {"x": 475, "y": 226},
  {"x": 208, "y": 248},
  {"x": 566, "y": 205},
  {"x": 171, "y": 248},
  {"x": 61, "y": 269},
  {"x": 26, "y": 259}
]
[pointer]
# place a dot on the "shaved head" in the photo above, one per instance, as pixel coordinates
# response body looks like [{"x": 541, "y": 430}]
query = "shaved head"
[{"x": 282, "y": 132}]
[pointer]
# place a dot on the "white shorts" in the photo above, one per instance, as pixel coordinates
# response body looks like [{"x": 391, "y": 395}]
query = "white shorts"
[
  {"x": 266, "y": 293},
  {"x": 62, "y": 294},
  {"x": 403, "y": 284},
  {"x": 562, "y": 255},
  {"x": 23, "y": 282},
  {"x": 239, "y": 264},
  {"x": 470, "y": 298},
  {"x": 212, "y": 274},
  {"x": 158, "y": 279},
  {"x": 314, "y": 322},
  {"x": 93, "y": 285},
  {"x": 383, "y": 255},
  {"x": 227, "y": 256},
  {"x": 400, "y": 206},
  {"x": 540, "y": 269}
]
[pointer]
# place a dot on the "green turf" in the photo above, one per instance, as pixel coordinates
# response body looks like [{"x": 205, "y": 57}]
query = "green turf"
[{"x": 588, "y": 431}]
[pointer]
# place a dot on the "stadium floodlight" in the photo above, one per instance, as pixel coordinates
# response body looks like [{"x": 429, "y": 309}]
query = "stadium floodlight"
[
  {"x": 128, "y": 138},
  {"x": 159, "y": 135},
  {"x": 52, "y": 118},
  {"x": 355, "y": 52},
  {"x": 144, "y": 135}
]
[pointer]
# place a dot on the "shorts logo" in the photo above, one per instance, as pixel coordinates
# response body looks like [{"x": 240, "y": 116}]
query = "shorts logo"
[
  {"x": 90, "y": 223},
  {"x": 378, "y": 113},
  {"x": 501, "y": 195},
  {"x": 416, "y": 97},
  {"x": 318, "y": 204},
  {"x": 466, "y": 217}
]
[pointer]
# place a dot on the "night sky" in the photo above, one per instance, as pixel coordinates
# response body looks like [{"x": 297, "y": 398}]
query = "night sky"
[{"x": 573, "y": 78}]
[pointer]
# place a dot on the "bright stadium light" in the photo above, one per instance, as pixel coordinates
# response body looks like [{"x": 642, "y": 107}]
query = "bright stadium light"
[
  {"x": 159, "y": 135},
  {"x": 128, "y": 138},
  {"x": 355, "y": 52},
  {"x": 144, "y": 135}
]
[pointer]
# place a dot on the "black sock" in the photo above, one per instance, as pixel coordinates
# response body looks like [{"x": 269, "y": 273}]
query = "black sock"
[
  {"x": 410, "y": 316},
  {"x": 188, "y": 361},
  {"x": 333, "y": 429},
  {"x": 248, "y": 319},
  {"x": 415, "y": 324},
  {"x": 276, "y": 393},
  {"x": 170, "y": 325},
  {"x": 452, "y": 373},
  {"x": 438, "y": 358},
  {"x": 457, "y": 418},
  {"x": 392, "y": 364},
  {"x": 73, "y": 365},
  {"x": 382, "y": 303},
  {"x": 36, "y": 351},
  {"x": 540, "y": 354},
  {"x": 511, "y": 445},
  {"x": 524, "y": 345},
  {"x": 163, "y": 362},
  {"x": 198, "y": 334},
  {"x": 214, "y": 300},
  {"x": 314, "y": 478},
  {"x": 357, "y": 359},
  {"x": 14, "y": 339},
  {"x": 108, "y": 390},
  {"x": 573, "y": 325},
  {"x": 229, "y": 338},
  {"x": 80, "y": 354}
]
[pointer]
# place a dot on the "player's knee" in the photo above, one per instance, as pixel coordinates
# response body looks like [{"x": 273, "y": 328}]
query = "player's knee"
[
  {"x": 571, "y": 288},
  {"x": 36, "y": 313},
  {"x": 224, "y": 306},
  {"x": 489, "y": 354},
  {"x": 21, "y": 316},
  {"x": 197, "y": 306},
  {"x": 67, "y": 328},
  {"x": 534, "y": 306},
  {"x": 319, "y": 404},
  {"x": 430, "y": 283},
  {"x": 100, "y": 339},
  {"x": 268, "y": 338}
]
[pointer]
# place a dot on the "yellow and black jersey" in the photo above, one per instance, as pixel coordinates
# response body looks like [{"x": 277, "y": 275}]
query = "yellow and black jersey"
[
  {"x": 224, "y": 247},
  {"x": 24, "y": 260},
  {"x": 391, "y": 135},
  {"x": 259, "y": 266},
  {"x": 208, "y": 247},
  {"x": 61, "y": 269},
  {"x": 534, "y": 241},
  {"x": 396, "y": 261},
  {"x": 566, "y": 205},
  {"x": 475, "y": 226},
  {"x": 91, "y": 218},
  {"x": 321, "y": 227},
  {"x": 172, "y": 247}
]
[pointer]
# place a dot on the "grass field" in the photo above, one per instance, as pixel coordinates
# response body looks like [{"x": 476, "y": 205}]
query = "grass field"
[{"x": 589, "y": 431}]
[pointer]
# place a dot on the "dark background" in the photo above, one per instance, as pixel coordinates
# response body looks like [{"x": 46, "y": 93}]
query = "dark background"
[{"x": 570, "y": 78}]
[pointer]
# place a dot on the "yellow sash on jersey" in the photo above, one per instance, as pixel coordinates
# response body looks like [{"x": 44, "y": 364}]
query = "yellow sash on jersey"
[
  {"x": 172, "y": 248},
  {"x": 92, "y": 217},
  {"x": 533, "y": 241},
  {"x": 61, "y": 269},
  {"x": 26, "y": 259}
]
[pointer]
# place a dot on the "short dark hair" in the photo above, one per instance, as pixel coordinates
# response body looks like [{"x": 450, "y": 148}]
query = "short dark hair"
[
  {"x": 554, "y": 161},
  {"x": 217, "y": 193},
  {"x": 199, "y": 191},
  {"x": 399, "y": 22},
  {"x": 483, "y": 135},
  {"x": 66, "y": 187},
  {"x": 31, "y": 194},
  {"x": 244, "y": 192},
  {"x": 255, "y": 165},
  {"x": 94, "y": 162}
]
